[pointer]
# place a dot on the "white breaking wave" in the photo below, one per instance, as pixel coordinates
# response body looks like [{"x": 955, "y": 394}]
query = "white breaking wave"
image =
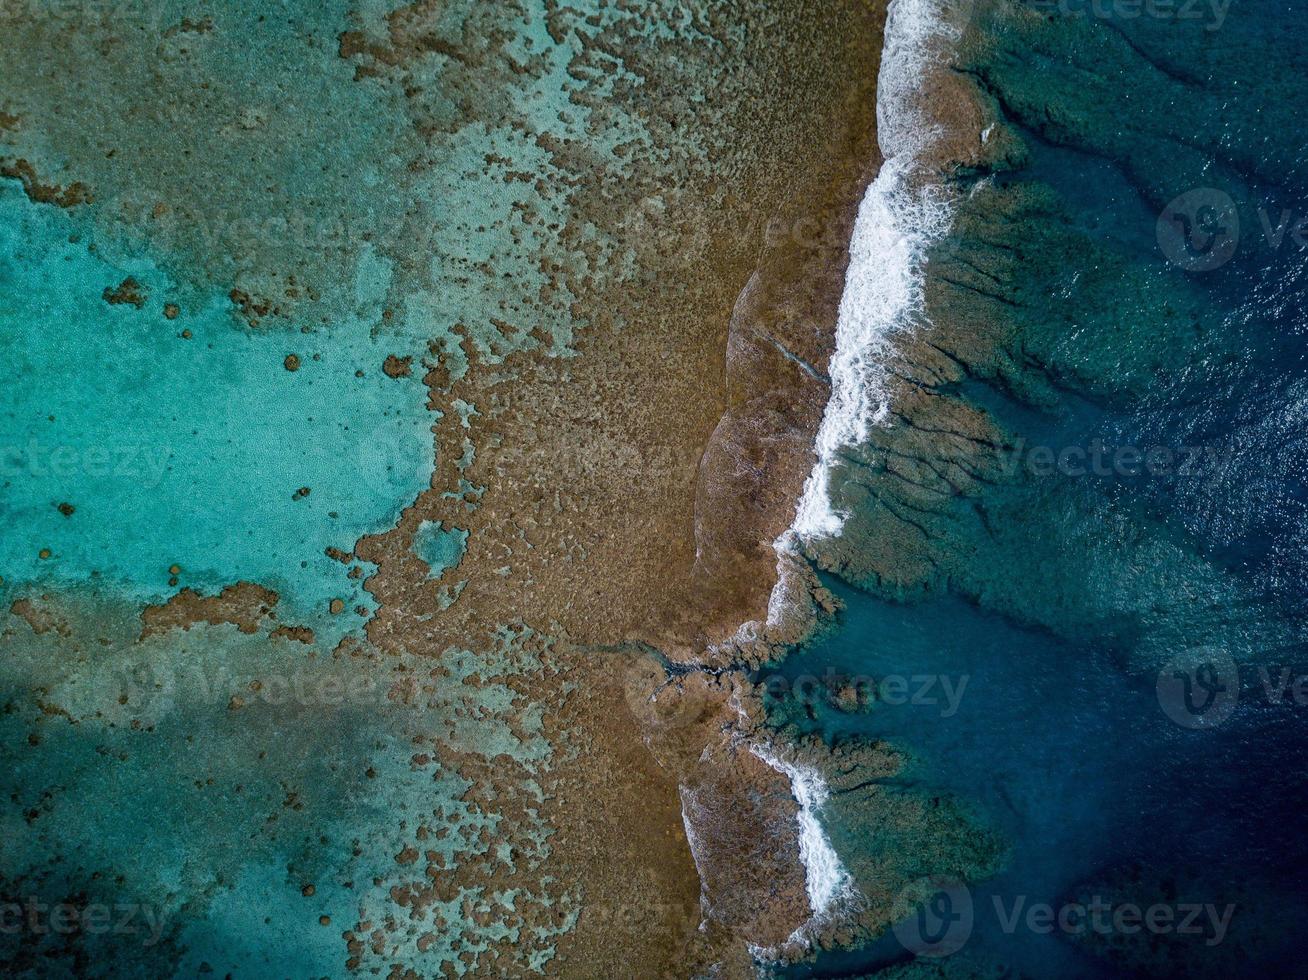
[
  {"x": 825, "y": 878},
  {"x": 896, "y": 223},
  {"x": 692, "y": 840},
  {"x": 900, "y": 217}
]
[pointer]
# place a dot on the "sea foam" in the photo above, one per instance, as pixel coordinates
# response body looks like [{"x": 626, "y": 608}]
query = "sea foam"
[
  {"x": 902, "y": 214},
  {"x": 825, "y": 877},
  {"x": 898, "y": 219}
]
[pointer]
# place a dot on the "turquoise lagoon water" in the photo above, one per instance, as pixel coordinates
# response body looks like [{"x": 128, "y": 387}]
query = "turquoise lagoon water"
[
  {"x": 244, "y": 153},
  {"x": 217, "y": 781},
  {"x": 440, "y": 547},
  {"x": 198, "y": 445}
]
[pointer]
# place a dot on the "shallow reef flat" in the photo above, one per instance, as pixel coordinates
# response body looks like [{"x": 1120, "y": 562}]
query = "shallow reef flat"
[{"x": 403, "y": 404}]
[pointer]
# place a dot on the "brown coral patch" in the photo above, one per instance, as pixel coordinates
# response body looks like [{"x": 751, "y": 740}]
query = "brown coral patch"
[
  {"x": 40, "y": 192},
  {"x": 397, "y": 367},
  {"x": 244, "y": 605},
  {"x": 39, "y": 616},
  {"x": 127, "y": 293},
  {"x": 634, "y": 491}
]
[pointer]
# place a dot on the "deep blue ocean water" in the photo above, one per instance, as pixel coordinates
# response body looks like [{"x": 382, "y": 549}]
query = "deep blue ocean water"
[
  {"x": 1074, "y": 763},
  {"x": 1135, "y": 124}
]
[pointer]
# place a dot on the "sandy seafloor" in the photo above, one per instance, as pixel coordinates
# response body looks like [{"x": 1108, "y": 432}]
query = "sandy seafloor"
[{"x": 460, "y": 459}]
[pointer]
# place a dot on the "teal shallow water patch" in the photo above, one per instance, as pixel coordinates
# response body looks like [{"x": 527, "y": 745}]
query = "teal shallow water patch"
[
  {"x": 440, "y": 548},
  {"x": 186, "y": 441},
  {"x": 259, "y": 803}
]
